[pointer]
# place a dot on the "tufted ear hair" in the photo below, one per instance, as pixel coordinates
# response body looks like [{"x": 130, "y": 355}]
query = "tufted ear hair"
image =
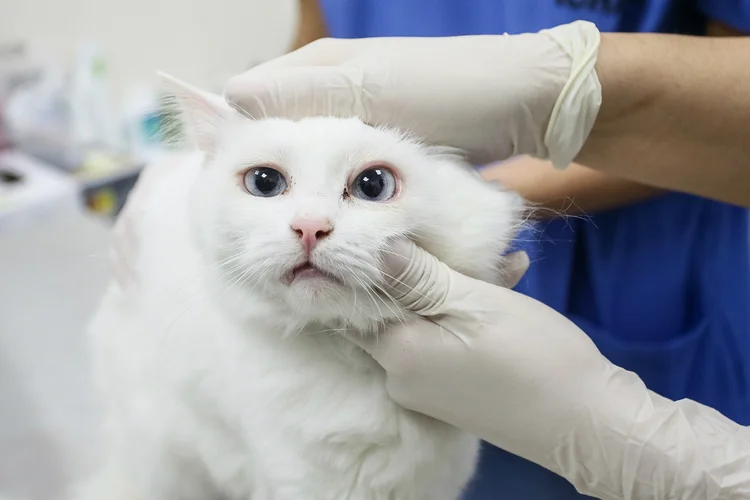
[{"x": 202, "y": 113}]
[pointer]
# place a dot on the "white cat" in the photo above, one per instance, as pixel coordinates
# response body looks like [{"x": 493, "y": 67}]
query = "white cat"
[{"x": 226, "y": 377}]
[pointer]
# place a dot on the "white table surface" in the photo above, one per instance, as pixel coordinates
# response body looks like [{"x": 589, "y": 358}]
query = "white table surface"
[{"x": 51, "y": 277}]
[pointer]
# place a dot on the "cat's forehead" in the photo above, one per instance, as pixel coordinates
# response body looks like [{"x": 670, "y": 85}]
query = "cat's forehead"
[{"x": 332, "y": 145}]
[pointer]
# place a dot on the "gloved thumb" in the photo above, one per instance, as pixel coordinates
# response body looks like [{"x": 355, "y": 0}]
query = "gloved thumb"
[
  {"x": 421, "y": 283},
  {"x": 424, "y": 285},
  {"x": 416, "y": 279},
  {"x": 297, "y": 92}
]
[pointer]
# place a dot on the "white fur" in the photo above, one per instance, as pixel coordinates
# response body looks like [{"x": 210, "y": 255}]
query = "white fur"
[{"x": 221, "y": 382}]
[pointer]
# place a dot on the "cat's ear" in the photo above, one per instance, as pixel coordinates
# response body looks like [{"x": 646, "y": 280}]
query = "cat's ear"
[{"x": 202, "y": 114}]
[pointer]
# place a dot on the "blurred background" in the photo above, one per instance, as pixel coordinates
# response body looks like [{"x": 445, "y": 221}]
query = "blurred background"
[
  {"x": 77, "y": 78},
  {"x": 79, "y": 117},
  {"x": 660, "y": 281}
]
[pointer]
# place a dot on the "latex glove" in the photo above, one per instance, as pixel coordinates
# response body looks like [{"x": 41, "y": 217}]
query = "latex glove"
[
  {"x": 492, "y": 96},
  {"x": 523, "y": 377}
]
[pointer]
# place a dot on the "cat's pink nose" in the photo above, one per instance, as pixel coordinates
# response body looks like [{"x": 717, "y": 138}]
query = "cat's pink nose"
[{"x": 310, "y": 231}]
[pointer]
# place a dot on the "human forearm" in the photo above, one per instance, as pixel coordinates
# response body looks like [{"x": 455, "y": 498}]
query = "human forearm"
[
  {"x": 571, "y": 410},
  {"x": 671, "y": 111},
  {"x": 632, "y": 443},
  {"x": 310, "y": 24},
  {"x": 572, "y": 191},
  {"x": 636, "y": 444},
  {"x": 675, "y": 112}
]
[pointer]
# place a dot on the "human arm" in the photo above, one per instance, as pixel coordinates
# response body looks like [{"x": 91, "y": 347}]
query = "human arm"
[
  {"x": 572, "y": 191},
  {"x": 577, "y": 189},
  {"x": 310, "y": 24},
  {"x": 523, "y": 377},
  {"x": 673, "y": 105},
  {"x": 674, "y": 114}
]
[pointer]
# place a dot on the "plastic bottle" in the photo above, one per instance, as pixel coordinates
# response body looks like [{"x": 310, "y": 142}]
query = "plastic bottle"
[
  {"x": 94, "y": 121},
  {"x": 143, "y": 122}
]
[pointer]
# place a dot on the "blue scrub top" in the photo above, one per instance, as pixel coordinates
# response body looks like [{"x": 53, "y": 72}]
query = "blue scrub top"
[{"x": 663, "y": 286}]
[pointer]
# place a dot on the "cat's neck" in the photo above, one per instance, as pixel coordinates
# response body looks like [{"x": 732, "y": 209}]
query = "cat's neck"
[{"x": 280, "y": 330}]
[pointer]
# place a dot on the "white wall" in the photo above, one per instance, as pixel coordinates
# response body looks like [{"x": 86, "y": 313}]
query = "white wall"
[{"x": 200, "y": 41}]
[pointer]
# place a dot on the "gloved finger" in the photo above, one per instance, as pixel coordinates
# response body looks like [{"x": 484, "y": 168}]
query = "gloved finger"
[
  {"x": 295, "y": 93},
  {"x": 417, "y": 279},
  {"x": 515, "y": 266},
  {"x": 424, "y": 285},
  {"x": 321, "y": 52},
  {"x": 397, "y": 347}
]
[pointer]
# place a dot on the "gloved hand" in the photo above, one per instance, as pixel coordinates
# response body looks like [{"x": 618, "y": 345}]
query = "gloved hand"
[
  {"x": 532, "y": 94},
  {"x": 523, "y": 377}
]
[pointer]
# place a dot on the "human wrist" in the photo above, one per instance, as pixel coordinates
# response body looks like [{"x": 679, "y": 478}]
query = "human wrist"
[
  {"x": 626, "y": 433},
  {"x": 593, "y": 456},
  {"x": 577, "y": 105},
  {"x": 630, "y": 69},
  {"x": 622, "y": 71},
  {"x": 673, "y": 105},
  {"x": 629, "y": 442}
]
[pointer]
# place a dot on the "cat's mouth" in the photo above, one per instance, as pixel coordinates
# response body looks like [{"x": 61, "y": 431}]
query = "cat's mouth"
[{"x": 308, "y": 271}]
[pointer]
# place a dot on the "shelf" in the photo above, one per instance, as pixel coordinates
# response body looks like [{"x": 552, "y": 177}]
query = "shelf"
[{"x": 89, "y": 181}]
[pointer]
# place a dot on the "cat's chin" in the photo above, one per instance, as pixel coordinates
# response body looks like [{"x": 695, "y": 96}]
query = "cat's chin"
[
  {"x": 310, "y": 299},
  {"x": 313, "y": 288},
  {"x": 329, "y": 302}
]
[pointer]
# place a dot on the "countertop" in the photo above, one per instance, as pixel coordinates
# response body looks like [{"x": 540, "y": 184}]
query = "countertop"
[{"x": 52, "y": 274}]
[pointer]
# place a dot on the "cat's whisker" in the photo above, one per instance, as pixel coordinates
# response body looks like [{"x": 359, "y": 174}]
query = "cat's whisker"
[
  {"x": 393, "y": 278},
  {"x": 192, "y": 301},
  {"x": 367, "y": 291},
  {"x": 354, "y": 307},
  {"x": 229, "y": 259},
  {"x": 247, "y": 272},
  {"x": 231, "y": 271},
  {"x": 398, "y": 314},
  {"x": 259, "y": 279},
  {"x": 331, "y": 330},
  {"x": 299, "y": 332},
  {"x": 180, "y": 284},
  {"x": 195, "y": 298},
  {"x": 228, "y": 303}
]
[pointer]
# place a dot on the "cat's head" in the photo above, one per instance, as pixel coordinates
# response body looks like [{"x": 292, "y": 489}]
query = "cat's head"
[{"x": 299, "y": 213}]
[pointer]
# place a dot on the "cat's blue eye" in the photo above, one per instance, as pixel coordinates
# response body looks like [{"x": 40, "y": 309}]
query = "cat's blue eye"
[
  {"x": 374, "y": 184},
  {"x": 264, "y": 182}
]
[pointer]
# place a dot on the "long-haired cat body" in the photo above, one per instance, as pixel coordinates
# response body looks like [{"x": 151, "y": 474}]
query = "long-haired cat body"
[{"x": 225, "y": 376}]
